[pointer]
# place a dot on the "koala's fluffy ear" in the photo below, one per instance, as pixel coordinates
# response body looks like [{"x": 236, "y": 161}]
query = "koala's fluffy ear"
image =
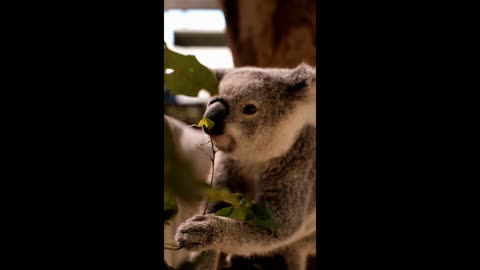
[
  {"x": 220, "y": 72},
  {"x": 301, "y": 76}
]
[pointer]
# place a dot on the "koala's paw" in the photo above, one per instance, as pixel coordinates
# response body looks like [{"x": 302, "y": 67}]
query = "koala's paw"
[{"x": 199, "y": 232}]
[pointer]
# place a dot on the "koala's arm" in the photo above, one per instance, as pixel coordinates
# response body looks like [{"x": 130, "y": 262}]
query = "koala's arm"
[{"x": 286, "y": 189}]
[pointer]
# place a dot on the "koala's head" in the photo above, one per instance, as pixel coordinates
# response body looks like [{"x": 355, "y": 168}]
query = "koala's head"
[{"x": 259, "y": 112}]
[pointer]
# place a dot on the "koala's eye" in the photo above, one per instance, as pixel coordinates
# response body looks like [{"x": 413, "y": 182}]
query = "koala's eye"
[{"x": 249, "y": 109}]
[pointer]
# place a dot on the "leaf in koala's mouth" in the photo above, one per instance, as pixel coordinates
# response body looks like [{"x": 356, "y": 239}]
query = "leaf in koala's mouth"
[{"x": 206, "y": 123}]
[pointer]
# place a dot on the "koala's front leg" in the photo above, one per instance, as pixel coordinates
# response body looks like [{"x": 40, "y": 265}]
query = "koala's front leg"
[
  {"x": 232, "y": 236},
  {"x": 199, "y": 232}
]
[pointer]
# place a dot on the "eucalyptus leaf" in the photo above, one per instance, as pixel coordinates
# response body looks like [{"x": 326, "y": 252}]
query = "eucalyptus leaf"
[
  {"x": 268, "y": 224},
  {"x": 247, "y": 203},
  {"x": 263, "y": 212},
  {"x": 236, "y": 213},
  {"x": 222, "y": 194},
  {"x": 257, "y": 214},
  {"x": 205, "y": 122}
]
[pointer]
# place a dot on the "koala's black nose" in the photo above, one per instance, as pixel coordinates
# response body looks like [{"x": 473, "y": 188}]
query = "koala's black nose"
[{"x": 216, "y": 111}]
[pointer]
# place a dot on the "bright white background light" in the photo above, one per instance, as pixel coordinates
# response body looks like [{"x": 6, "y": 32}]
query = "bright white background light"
[{"x": 198, "y": 19}]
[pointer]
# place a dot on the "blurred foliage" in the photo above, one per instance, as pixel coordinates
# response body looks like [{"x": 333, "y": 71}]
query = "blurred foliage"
[
  {"x": 179, "y": 178},
  {"x": 188, "y": 76},
  {"x": 243, "y": 209}
]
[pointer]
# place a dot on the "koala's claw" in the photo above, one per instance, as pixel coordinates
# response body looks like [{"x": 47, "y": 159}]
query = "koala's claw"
[{"x": 196, "y": 233}]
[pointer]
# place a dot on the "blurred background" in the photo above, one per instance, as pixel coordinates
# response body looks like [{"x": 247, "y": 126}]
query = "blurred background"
[{"x": 227, "y": 33}]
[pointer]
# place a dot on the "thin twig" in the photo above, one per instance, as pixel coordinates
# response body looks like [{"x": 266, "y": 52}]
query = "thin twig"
[
  {"x": 198, "y": 146},
  {"x": 211, "y": 175},
  {"x": 205, "y": 143}
]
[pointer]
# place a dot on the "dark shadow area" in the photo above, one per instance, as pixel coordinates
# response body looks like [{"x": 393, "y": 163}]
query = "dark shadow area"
[{"x": 264, "y": 263}]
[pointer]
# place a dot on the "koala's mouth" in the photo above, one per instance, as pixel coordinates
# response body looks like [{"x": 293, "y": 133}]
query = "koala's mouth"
[{"x": 224, "y": 142}]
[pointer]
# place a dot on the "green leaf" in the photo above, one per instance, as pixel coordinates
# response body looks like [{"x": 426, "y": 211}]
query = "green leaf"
[
  {"x": 247, "y": 203},
  {"x": 166, "y": 266},
  {"x": 263, "y": 212},
  {"x": 224, "y": 212},
  {"x": 237, "y": 213},
  {"x": 256, "y": 214},
  {"x": 264, "y": 217},
  {"x": 222, "y": 194},
  {"x": 205, "y": 122},
  {"x": 234, "y": 198},
  {"x": 188, "y": 76}
]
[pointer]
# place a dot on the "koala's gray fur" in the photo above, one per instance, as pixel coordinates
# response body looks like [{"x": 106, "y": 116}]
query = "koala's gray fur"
[{"x": 269, "y": 156}]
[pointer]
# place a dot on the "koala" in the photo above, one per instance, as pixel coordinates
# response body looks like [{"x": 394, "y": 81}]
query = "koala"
[{"x": 265, "y": 130}]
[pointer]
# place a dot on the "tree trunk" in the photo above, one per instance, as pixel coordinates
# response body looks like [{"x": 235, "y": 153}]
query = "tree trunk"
[{"x": 271, "y": 33}]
